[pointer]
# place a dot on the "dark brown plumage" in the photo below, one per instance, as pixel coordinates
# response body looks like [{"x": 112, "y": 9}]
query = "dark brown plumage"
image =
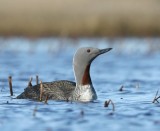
[{"x": 57, "y": 90}]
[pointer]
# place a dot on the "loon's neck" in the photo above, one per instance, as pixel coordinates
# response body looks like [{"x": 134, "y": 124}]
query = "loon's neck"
[
  {"x": 84, "y": 90},
  {"x": 82, "y": 75}
]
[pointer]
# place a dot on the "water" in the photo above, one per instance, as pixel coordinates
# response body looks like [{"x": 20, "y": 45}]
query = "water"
[{"x": 133, "y": 62}]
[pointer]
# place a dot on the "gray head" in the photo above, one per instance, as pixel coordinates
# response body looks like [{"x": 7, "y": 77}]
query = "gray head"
[{"x": 82, "y": 61}]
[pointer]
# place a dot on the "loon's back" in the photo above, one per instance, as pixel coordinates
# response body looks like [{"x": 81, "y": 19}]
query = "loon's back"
[{"x": 57, "y": 90}]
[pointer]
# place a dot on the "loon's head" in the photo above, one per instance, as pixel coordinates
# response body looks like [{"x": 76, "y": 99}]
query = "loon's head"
[{"x": 82, "y": 61}]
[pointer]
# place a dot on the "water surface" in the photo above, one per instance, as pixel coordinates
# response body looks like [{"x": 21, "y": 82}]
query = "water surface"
[{"x": 133, "y": 62}]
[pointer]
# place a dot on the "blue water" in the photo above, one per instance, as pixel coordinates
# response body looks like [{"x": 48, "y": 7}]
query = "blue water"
[{"x": 133, "y": 63}]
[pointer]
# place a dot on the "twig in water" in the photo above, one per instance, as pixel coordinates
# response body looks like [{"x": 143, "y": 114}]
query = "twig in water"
[
  {"x": 30, "y": 82},
  {"x": 67, "y": 100},
  {"x": 121, "y": 89},
  {"x": 156, "y": 98},
  {"x": 10, "y": 85},
  {"x": 34, "y": 111},
  {"x": 46, "y": 99},
  {"x": 106, "y": 104},
  {"x": 82, "y": 113},
  {"x": 37, "y": 81},
  {"x": 41, "y": 90}
]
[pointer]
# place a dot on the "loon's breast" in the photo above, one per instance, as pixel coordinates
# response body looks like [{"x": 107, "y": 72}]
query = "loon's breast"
[{"x": 85, "y": 93}]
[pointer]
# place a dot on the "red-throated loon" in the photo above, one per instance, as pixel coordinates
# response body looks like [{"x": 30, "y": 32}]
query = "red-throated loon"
[{"x": 82, "y": 90}]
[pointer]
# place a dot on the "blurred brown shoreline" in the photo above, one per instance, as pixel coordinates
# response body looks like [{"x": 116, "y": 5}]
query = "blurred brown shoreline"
[{"x": 74, "y": 18}]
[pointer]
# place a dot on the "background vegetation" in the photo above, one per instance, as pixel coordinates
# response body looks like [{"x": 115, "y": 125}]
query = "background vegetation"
[{"x": 80, "y": 17}]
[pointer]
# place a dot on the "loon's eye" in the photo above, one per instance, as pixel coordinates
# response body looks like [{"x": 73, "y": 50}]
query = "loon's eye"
[{"x": 88, "y": 50}]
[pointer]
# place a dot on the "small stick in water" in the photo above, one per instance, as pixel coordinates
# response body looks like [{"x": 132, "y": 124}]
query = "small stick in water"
[
  {"x": 30, "y": 82},
  {"x": 10, "y": 85},
  {"x": 106, "y": 104},
  {"x": 41, "y": 90},
  {"x": 37, "y": 79},
  {"x": 156, "y": 98},
  {"x": 46, "y": 99},
  {"x": 34, "y": 111},
  {"x": 121, "y": 89},
  {"x": 82, "y": 113}
]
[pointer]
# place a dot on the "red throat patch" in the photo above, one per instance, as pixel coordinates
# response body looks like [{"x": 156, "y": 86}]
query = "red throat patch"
[{"x": 86, "y": 80}]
